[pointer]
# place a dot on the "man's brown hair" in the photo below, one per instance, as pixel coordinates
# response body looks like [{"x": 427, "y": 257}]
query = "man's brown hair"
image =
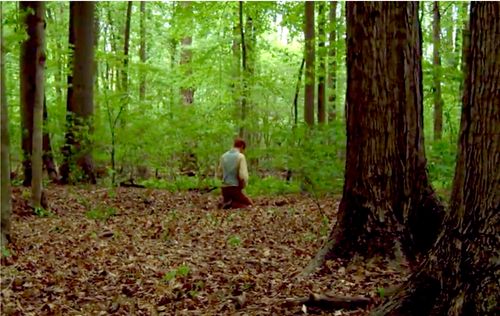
[{"x": 239, "y": 143}]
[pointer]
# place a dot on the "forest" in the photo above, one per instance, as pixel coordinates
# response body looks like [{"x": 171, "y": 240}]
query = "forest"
[{"x": 372, "y": 133}]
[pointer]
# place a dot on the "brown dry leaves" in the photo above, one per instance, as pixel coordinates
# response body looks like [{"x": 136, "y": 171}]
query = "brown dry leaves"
[{"x": 164, "y": 254}]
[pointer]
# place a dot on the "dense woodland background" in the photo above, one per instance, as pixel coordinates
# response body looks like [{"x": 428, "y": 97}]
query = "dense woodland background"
[
  {"x": 170, "y": 80},
  {"x": 393, "y": 104}
]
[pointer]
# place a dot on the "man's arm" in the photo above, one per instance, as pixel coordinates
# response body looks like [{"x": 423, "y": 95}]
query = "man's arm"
[
  {"x": 219, "y": 174},
  {"x": 243, "y": 171}
]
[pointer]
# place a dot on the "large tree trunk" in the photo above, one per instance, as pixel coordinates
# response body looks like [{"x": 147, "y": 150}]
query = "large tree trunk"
[
  {"x": 80, "y": 106},
  {"x": 332, "y": 62},
  {"x": 387, "y": 200},
  {"x": 37, "y": 141},
  {"x": 6, "y": 202},
  {"x": 28, "y": 73},
  {"x": 142, "y": 51},
  {"x": 438, "y": 99},
  {"x": 322, "y": 63},
  {"x": 460, "y": 274},
  {"x": 309, "y": 56}
]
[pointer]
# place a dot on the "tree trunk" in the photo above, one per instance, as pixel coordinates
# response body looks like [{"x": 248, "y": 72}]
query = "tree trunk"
[
  {"x": 297, "y": 90},
  {"x": 244, "y": 70},
  {"x": 5, "y": 153},
  {"x": 460, "y": 274},
  {"x": 126, "y": 45},
  {"x": 77, "y": 149},
  {"x": 309, "y": 56},
  {"x": 387, "y": 201},
  {"x": 322, "y": 62},
  {"x": 142, "y": 51},
  {"x": 438, "y": 99},
  {"x": 236, "y": 82},
  {"x": 332, "y": 62},
  {"x": 27, "y": 96},
  {"x": 186, "y": 56},
  {"x": 38, "y": 22}
]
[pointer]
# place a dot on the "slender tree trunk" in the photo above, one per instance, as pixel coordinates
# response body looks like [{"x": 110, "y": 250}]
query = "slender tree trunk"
[
  {"x": 309, "y": 56},
  {"x": 142, "y": 51},
  {"x": 297, "y": 90},
  {"x": 39, "y": 63},
  {"x": 332, "y": 62},
  {"x": 322, "y": 62},
  {"x": 187, "y": 92},
  {"x": 126, "y": 45},
  {"x": 388, "y": 204},
  {"x": 6, "y": 205},
  {"x": 236, "y": 82},
  {"x": 80, "y": 105},
  {"x": 244, "y": 70},
  {"x": 460, "y": 274},
  {"x": 438, "y": 99},
  {"x": 27, "y": 94}
]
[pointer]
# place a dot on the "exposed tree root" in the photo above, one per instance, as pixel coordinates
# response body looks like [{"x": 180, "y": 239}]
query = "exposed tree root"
[{"x": 330, "y": 302}]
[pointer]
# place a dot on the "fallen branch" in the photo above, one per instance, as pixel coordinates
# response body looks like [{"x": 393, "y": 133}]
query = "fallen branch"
[{"x": 331, "y": 302}]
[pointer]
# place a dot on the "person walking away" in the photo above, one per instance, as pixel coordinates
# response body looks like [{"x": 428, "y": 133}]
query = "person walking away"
[{"x": 234, "y": 171}]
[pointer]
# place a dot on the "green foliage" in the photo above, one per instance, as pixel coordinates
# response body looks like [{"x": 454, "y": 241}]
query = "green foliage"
[
  {"x": 441, "y": 164},
  {"x": 234, "y": 241},
  {"x": 381, "y": 292},
  {"x": 42, "y": 212},
  {"x": 181, "y": 272},
  {"x": 5, "y": 252},
  {"x": 159, "y": 132},
  {"x": 101, "y": 213}
]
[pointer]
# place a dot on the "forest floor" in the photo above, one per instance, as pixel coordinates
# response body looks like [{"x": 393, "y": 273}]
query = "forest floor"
[{"x": 129, "y": 251}]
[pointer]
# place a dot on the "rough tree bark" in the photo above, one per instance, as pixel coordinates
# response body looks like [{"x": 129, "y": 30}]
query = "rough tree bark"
[
  {"x": 6, "y": 202},
  {"x": 27, "y": 95},
  {"x": 322, "y": 63},
  {"x": 460, "y": 274},
  {"x": 37, "y": 137},
  {"x": 309, "y": 55},
  {"x": 438, "y": 99},
  {"x": 77, "y": 150},
  {"x": 387, "y": 200},
  {"x": 332, "y": 62}
]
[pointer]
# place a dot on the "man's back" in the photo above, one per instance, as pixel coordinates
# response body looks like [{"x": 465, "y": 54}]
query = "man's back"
[{"x": 230, "y": 162}]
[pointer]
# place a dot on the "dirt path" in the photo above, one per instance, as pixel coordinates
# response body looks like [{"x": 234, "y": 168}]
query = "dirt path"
[{"x": 151, "y": 252}]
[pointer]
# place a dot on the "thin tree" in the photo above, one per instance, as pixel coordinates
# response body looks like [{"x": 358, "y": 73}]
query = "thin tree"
[
  {"x": 38, "y": 22},
  {"x": 309, "y": 57},
  {"x": 187, "y": 92},
  {"x": 387, "y": 204},
  {"x": 244, "y": 71},
  {"x": 460, "y": 274},
  {"x": 126, "y": 48},
  {"x": 332, "y": 61},
  {"x": 28, "y": 87},
  {"x": 438, "y": 98},
  {"x": 6, "y": 202},
  {"x": 322, "y": 62},
  {"x": 142, "y": 50},
  {"x": 77, "y": 150}
]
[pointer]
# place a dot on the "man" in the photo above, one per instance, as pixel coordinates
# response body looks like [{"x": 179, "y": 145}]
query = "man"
[{"x": 234, "y": 171}]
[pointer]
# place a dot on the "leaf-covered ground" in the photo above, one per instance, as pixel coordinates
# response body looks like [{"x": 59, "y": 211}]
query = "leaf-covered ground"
[{"x": 151, "y": 252}]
